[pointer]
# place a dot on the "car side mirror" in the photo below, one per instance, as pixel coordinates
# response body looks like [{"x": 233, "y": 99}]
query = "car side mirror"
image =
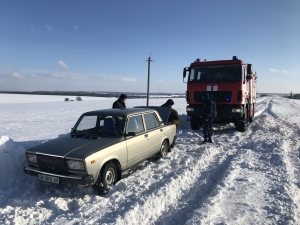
[{"x": 130, "y": 134}]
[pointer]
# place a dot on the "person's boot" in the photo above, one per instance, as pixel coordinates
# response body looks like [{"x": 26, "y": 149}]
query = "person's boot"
[
  {"x": 205, "y": 140},
  {"x": 209, "y": 140}
]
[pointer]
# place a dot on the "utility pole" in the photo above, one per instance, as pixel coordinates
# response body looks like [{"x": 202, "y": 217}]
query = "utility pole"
[{"x": 148, "y": 84}]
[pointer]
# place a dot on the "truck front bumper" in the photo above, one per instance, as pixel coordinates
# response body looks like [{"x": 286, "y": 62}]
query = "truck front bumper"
[
  {"x": 223, "y": 111},
  {"x": 71, "y": 179}
]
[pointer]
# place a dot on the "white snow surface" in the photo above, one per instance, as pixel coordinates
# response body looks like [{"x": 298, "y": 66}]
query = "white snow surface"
[
  {"x": 18, "y": 98},
  {"x": 242, "y": 178}
]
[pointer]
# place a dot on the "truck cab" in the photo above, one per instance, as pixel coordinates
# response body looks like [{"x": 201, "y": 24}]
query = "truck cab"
[{"x": 231, "y": 84}]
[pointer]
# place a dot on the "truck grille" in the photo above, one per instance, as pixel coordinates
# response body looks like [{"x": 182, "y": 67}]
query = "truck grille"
[
  {"x": 217, "y": 96},
  {"x": 52, "y": 164}
]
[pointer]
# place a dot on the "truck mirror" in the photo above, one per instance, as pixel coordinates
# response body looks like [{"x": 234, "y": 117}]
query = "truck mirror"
[
  {"x": 184, "y": 73},
  {"x": 249, "y": 69},
  {"x": 248, "y": 77},
  {"x": 186, "y": 69}
]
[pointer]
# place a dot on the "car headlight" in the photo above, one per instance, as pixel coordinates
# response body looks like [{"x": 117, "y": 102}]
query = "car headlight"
[
  {"x": 75, "y": 165},
  {"x": 188, "y": 109},
  {"x": 237, "y": 110},
  {"x": 31, "y": 158}
]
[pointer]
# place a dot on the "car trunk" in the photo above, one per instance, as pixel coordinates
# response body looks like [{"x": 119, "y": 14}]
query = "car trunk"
[{"x": 164, "y": 112}]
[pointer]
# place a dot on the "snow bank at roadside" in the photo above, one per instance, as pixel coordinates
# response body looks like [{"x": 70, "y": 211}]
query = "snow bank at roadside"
[{"x": 12, "y": 158}]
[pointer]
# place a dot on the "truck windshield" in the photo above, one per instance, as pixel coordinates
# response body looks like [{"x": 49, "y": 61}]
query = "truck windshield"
[{"x": 215, "y": 73}]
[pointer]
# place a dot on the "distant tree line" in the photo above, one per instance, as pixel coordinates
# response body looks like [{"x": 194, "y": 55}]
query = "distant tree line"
[{"x": 84, "y": 93}]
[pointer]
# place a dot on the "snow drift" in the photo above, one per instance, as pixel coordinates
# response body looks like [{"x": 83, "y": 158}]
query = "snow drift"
[{"x": 12, "y": 158}]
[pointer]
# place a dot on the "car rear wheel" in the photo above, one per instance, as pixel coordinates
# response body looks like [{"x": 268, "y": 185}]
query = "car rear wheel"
[
  {"x": 107, "y": 178},
  {"x": 164, "y": 148}
]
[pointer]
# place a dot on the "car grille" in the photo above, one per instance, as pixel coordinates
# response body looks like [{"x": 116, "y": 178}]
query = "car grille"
[
  {"x": 49, "y": 165},
  {"x": 217, "y": 96},
  {"x": 52, "y": 164}
]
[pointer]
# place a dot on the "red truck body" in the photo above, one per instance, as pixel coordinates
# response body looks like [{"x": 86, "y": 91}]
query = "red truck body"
[{"x": 230, "y": 83}]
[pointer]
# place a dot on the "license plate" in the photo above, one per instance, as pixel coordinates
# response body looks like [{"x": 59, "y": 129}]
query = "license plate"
[{"x": 46, "y": 178}]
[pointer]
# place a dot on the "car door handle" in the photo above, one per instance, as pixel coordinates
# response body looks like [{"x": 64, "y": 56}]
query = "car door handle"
[{"x": 146, "y": 135}]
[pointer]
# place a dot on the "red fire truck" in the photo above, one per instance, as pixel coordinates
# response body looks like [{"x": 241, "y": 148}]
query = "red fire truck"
[{"x": 230, "y": 83}]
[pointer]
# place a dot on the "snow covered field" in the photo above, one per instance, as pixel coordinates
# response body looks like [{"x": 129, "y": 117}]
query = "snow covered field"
[{"x": 242, "y": 178}]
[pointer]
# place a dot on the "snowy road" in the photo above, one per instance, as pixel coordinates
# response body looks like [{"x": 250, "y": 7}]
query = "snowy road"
[{"x": 243, "y": 178}]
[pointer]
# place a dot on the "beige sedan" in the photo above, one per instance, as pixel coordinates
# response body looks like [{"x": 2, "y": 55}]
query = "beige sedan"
[{"x": 101, "y": 146}]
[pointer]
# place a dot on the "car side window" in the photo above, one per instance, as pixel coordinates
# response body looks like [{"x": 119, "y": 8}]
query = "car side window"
[
  {"x": 156, "y": 121},
  {"x": 87, "y": 122},
  {"x": 135, "y": 124},
  {"x": 150, "y": 121}
]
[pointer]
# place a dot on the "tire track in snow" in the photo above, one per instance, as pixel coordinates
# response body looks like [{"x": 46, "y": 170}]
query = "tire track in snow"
[
  {"x": 206, "y": 183},
  {"x": 205, "y": 173},
  {"x": 289, "y": 156},
  {"x": 208, "y": 180},
  {"x": 281, "y": 196},
  {"x": 265, "y": 107}
]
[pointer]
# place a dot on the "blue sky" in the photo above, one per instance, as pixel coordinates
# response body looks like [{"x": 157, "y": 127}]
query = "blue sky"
[{"x": 103, "y": 45}]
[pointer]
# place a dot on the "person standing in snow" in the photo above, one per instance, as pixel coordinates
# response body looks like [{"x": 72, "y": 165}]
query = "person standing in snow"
[
  {"x": 206, "y": 115},
  {"x": 120, "y": 103},
  {"x": 211, "y": 120},
  {"x": 173, "y": 117}
]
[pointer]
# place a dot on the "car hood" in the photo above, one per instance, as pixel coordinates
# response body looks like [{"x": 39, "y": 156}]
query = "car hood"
[{"x": 70, "y": 147}]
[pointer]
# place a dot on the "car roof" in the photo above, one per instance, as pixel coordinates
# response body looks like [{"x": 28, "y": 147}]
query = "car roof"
[{"x": 119, "y": 112}]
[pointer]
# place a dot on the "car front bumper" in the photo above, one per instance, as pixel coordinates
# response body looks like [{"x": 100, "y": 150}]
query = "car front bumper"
[{"x": 71, "y": 179}]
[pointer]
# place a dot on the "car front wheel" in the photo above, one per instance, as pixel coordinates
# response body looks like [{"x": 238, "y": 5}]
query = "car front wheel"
[{"x": 107, "y": 178}]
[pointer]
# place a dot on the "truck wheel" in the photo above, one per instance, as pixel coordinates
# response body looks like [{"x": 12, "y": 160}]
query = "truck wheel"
[
  {"x": 195, "y": 123},
  {"x": 164, "y": 148},
  {"x": 242, "y": 125},
  {"x": 251, "y": 119},
  {"x": 107, "y": 178}
]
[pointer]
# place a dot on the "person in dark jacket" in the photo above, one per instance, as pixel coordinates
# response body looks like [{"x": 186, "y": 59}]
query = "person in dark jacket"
[
  {"x": 206, "y": 115},
  {"x": 120, "y": 103},
  {"x": 213, "y": 115},
  {"x": 173, "y": 117}
]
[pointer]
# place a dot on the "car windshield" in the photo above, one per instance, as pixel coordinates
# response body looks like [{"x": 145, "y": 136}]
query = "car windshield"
[
  {"x": 101, "y": 125},
  {"x": 215, "y": 73}
]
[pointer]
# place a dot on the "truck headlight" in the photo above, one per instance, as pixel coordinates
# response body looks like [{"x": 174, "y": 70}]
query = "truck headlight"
[
  {"x": 75, "y": 165},
  {"x": 237, "y": 110},
  {"x": 188, "y": 109},
  {"x": 31, "y": 158}
]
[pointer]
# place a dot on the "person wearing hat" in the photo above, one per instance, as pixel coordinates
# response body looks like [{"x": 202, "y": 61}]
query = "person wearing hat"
[
  {"x": 206, "y": 116},
  {"x": 173, "y": 117},
  {"x": 120, "y": 103}
]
